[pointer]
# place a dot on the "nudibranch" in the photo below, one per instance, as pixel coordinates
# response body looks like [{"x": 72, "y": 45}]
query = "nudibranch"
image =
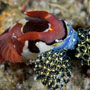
[
  {"x": 31, "y": 35},
  {"x": 59, "y": 34}
]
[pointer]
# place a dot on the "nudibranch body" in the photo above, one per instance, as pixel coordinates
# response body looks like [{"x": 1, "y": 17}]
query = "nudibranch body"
[{"x": 31, "y": 35}]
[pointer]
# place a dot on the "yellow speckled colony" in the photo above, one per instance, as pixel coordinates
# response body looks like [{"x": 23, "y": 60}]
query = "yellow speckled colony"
[
  {"x": 83, "y": 46},
  {"x": 53, "y": 68}
]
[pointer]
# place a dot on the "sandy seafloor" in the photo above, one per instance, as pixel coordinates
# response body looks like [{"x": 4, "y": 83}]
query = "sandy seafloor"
[{"x": 21, "y": 76}]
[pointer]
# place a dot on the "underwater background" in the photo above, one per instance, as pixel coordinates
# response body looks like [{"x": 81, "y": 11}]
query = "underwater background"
[{"x": 21, "y": 76}]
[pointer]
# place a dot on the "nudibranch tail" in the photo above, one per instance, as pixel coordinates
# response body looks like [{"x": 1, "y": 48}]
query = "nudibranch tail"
[{"x": 56, "y": 31}]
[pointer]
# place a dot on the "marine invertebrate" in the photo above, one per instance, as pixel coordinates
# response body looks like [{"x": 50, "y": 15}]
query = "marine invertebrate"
[
  {"x": 83, "y": 46},
  {"x": 40, "y": 26},
  {"x": 53, "y": 68}
]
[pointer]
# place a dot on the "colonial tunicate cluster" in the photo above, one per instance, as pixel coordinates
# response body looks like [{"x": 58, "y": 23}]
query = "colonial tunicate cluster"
[
  {"x": 53, "y": 68},
  {"x": 83, "y": 46}
]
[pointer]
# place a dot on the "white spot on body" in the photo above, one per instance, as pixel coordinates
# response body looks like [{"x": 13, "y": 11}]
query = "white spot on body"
[
  {"x": 14, "y": 36},
  {"x": 74, "y": 40},
  {"x": 43, "y": 46},
  {"x": 46, "y": 30},
  {"x": 71, "y": 31},
  {"x": 58, "y": 40},
  {"x": 14, "y": 46}
]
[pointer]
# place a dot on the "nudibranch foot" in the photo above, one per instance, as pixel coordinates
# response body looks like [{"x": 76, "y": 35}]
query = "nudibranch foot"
[
  {"x": 83, "y": 46},
  {"x": 53, "y": 68}
]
